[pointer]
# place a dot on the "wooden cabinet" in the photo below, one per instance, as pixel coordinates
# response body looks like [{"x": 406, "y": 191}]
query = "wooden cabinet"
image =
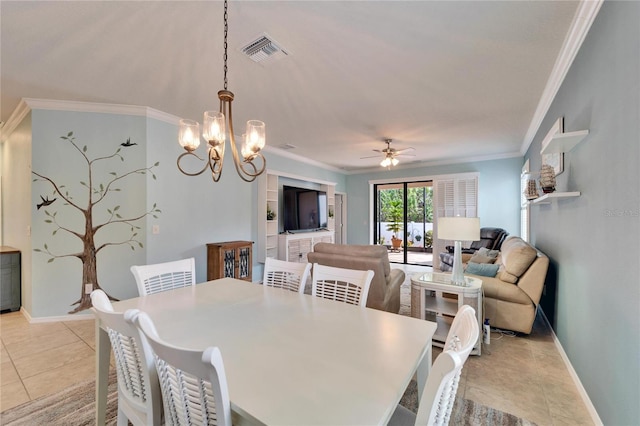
[
  {"x": 294, "y": 247},
  {"x": 10, "y": 284},
  {"x": 230, "y": 259}
]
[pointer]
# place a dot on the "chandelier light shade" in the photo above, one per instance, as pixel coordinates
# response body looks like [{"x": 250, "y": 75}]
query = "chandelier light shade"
[
  {"x": 249, "y": 163},
  {"x": 458, "y": 229}
]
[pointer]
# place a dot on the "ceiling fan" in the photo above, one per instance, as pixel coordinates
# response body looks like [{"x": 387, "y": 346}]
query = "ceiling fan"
[{"x": 389, "y": 154}]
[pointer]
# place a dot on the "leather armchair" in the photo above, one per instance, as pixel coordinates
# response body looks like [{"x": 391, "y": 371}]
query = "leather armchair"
[
  {"x": 384, "y": 293},
  {"x": 490, "y": 238}
]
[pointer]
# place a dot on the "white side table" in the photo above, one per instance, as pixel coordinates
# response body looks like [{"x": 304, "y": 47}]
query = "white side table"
[{"x": 435, "y": 299}]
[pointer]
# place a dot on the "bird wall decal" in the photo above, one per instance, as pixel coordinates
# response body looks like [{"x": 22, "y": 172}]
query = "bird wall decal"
[
  {"x": 128, "y": 143},
  {"x": 45, "y": 202}
]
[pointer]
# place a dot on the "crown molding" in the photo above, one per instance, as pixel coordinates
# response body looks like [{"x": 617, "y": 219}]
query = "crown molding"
[
  {"x": 582, "y": 20},
  {"x": 301, "y": 159},
  {"x": 447, "y": 162},
  {"x": 27, "y": 105}
]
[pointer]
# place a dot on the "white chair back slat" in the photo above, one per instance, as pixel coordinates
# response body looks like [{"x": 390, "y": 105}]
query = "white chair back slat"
[
  {"x": 139, "y": 397},
  {"x": 164, "y": 276},
  {"x": 440, "y": 389},
  {"x": 193, "y": 383},
  {"x": 343, "y": 285},
  {"x": 286, "y": 275}
]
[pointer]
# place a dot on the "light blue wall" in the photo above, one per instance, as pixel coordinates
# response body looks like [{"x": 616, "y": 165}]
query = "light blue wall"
[
  {"x": 194, "y": 210},
  {"x": 498, "y": 194},
  {"x": 592, "y": 241},
  {"x": 56, "y": 285}
]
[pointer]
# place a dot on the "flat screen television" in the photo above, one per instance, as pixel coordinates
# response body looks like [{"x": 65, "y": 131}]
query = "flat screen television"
[{"x": 304, "y": 209}]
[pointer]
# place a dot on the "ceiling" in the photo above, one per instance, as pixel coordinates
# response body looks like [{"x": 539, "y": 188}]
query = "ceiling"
[{"x": 455, "y": 80}]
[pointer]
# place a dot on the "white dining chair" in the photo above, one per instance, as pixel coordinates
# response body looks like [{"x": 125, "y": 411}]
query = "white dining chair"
[
  {"x": 439, "y": 392},
  {"x": 164, "y": 276},
  {"x": 139, "y": 397},
  {"x": 287, "y": 275},
  {"x": 193, "y": 382},
  {"x": 340, "y": 284}
]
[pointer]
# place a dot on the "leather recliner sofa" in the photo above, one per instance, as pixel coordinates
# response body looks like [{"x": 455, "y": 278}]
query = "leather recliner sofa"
[
  {"x": 384, "y": 293},
  {"x": 490, "y": 238}
]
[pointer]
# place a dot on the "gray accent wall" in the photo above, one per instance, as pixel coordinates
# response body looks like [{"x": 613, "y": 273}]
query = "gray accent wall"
[{"x": 593, "y": 291}]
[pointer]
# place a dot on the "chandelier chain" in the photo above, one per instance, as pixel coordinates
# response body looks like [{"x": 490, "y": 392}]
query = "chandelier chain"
[{"x": 226, "y": 30}]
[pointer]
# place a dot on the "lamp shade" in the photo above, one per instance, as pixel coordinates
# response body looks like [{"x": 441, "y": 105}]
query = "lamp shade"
[{"x": 459, "y": 228}]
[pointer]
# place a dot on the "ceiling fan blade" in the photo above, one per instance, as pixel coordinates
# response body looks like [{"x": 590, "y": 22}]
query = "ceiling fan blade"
[
  {"x": 401, "y": 151},
  {"x": 371, "y": 156},
  {"x": 404, "y": 155},
  {"x": 378, "y": 150}
]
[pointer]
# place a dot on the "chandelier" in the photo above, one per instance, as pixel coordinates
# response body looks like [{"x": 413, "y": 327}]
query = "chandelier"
[{"x": 213, "y": 131}]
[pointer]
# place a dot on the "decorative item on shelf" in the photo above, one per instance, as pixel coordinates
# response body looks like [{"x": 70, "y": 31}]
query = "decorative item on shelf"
[
  {"x": 458, "y": 229},
  {"x": 331, "y": 213},
  {"x": 271, "y": 215},
  {"x": 213, "y": 131},
  {"x": 531, "y": 188},
  {"x": 547, "y": 179}
]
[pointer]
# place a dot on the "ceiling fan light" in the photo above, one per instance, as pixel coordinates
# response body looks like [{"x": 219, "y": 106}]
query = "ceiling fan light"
[
  {"x": 385, "y": 162},
  {"x": 394, "y": 161}
]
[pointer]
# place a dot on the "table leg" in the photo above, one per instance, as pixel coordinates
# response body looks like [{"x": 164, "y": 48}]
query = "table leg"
[
  {"x": 103, "y": 352},
  {"x": 424, "y": 368}
]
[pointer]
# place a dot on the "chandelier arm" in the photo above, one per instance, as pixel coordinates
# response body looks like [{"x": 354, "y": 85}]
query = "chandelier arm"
[
  {"x": 215, "y": 164},
  {"x": 196, "y": 173},
  {"x": 251, "y": 175}
]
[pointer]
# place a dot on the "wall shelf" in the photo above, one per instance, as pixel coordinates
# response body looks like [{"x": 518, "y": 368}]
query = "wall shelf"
[
  {"x": 553, "y": 196},
  {"x": 563, "y": 142}
]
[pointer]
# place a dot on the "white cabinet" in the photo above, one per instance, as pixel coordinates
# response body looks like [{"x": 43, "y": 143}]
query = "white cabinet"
[
  {"x": 269, "y": 242},
  {"x": 294, "y": 247}
]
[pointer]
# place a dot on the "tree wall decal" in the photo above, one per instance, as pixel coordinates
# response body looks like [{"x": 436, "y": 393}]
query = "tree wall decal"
[{"x": 96, "y": 194}]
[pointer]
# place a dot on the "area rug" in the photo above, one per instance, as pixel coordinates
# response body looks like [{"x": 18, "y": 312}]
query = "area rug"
[
  {"x": 75, "y": 406},
  {"x": 466, "y": 412}
]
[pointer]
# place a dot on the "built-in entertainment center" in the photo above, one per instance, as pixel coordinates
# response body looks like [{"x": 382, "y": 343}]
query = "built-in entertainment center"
[{"x": 294, "y": 213}]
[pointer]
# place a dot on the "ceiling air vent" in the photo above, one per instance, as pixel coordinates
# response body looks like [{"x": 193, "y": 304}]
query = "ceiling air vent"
[{"x": 262, "y": 49}]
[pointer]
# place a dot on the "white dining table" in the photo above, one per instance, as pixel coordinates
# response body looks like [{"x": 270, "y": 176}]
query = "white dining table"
[{"x": 290, "y": 358}]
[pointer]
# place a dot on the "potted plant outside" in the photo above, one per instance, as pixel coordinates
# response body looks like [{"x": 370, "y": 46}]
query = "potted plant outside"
[{"x": 395, "y": 225}]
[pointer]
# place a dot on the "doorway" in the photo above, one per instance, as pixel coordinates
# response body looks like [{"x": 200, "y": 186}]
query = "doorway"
[
  {"x": 403, "y": 221},
  {"x": 340, "y": 214}
]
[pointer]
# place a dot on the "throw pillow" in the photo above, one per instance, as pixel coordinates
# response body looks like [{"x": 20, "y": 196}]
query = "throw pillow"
[
  {"x": 517, "y": 256},
  {"x": 484, "y": 255},
  {"x": 482, "y": 269},
  {"x": 486, "y": 252}
]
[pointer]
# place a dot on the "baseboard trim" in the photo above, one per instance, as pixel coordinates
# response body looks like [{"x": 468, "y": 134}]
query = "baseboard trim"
[
  {"x": 74, "y": 317},
  {"x": 576, "y": 380}
]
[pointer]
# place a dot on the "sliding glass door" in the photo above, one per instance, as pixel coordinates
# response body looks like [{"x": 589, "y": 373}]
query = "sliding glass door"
[{"x": 403, "y": 221}]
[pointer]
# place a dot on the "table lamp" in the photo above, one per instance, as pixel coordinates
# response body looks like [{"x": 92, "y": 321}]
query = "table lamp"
[{"x": 458, "y": 229}]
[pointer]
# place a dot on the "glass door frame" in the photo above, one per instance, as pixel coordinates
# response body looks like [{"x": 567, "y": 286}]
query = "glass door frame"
[{"x": 403, "y": 185}]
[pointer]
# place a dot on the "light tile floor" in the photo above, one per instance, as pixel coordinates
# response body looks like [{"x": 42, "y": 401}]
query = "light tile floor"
[{"x": 524, "y": 376}]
